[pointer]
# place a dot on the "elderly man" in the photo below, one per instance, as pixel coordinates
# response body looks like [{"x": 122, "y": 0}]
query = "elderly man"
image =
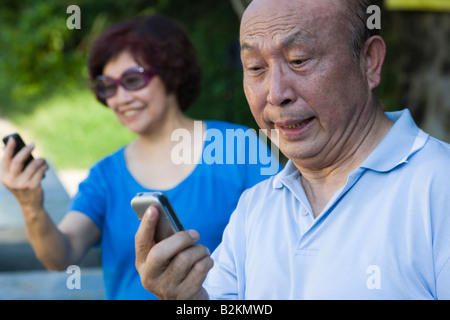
[{"x": 361, "y": 210}]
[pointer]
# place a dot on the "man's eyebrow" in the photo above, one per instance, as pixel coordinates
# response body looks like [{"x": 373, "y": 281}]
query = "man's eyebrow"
[
  {"x": 246, "y": 46},
  {"x": 297, "y": 38}
]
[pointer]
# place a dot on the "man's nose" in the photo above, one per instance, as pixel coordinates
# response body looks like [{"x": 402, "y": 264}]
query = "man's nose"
[{"x": 279, "y": 90}]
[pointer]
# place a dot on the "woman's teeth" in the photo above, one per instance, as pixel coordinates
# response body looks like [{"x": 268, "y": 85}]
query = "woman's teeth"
[{"x": 131, "y": 112}]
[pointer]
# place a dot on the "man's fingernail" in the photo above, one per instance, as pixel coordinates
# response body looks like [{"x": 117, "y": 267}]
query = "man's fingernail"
[
  {"x": 150, "y": 213},
  {"x": 194, "y": 235}
]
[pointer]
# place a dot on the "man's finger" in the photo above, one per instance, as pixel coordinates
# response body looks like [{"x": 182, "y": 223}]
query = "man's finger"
[
  {"x": 182, "y": 263},
  {"x": 193, "y": 282},
  {"x": 145, "y": 236}
]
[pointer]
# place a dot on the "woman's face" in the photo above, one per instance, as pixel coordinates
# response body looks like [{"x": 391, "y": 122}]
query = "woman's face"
[{"x": 141, "y": 111}]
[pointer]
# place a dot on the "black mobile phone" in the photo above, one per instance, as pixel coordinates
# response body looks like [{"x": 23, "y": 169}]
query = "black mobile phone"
[
  {"x": 168, "y": 222},
  {"x": 19, "y": 145}
]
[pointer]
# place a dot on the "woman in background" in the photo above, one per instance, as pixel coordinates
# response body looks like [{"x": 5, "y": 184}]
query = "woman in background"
[{"x": 146, "y": 72}]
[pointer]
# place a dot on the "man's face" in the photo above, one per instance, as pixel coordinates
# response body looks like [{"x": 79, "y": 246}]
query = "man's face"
[{"x": 300, "y": 78}]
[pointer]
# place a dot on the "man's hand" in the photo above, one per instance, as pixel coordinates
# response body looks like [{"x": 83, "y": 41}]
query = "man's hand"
[{"x": 174, "y": 268}]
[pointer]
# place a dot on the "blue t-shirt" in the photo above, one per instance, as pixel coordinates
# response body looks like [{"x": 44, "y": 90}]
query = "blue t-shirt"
[{"x": 203, "y": 201}]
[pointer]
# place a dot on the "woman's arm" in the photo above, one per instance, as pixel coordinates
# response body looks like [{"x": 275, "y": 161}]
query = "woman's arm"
[{"x": 56, "y": 247}]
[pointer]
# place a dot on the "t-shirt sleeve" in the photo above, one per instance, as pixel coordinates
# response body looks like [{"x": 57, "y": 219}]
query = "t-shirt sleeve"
[
  {"x": 440, "y": 204},
  {"x": 222, "y": 280},
  {"x": 226, "y": 280},
  {"x": 91, "y": 197},
  {"x": 443, "y": 282}
]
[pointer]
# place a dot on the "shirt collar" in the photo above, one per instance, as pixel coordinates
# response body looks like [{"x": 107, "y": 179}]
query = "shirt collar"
[
  {"x": 400, "y": 143},
  {"x": 403, "y": 140},
  {"x": 290, "y": 172}
]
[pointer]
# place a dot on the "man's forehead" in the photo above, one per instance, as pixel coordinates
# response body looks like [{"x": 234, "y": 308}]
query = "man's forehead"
[{"x": 294, "y": 21}]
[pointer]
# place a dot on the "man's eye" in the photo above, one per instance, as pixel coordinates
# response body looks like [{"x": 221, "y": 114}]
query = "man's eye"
[
  {"x": 254, "y": 69},
  {"x": 298, "y": 62}
]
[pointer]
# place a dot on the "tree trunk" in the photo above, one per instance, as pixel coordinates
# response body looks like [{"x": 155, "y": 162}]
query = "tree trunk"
[
  {"x": 421, "y": 62},
  {"x": 239, "y": 6}
]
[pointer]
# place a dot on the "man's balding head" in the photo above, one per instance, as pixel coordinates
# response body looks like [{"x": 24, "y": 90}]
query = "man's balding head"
[{"x": 352, "y": 13}]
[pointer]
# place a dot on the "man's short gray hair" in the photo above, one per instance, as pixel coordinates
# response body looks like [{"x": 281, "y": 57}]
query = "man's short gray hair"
[{"x": 356, "y": 14}]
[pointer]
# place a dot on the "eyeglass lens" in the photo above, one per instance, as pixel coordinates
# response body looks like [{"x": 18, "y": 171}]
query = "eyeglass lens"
[{"x": 131, "y": 80}]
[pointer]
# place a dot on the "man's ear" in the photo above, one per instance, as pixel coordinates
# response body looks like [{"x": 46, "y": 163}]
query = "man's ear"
[{"x": 373, "y": 55}]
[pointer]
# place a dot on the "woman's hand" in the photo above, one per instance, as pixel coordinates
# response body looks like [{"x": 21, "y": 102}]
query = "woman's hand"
[{"x": 24, "y": 185}]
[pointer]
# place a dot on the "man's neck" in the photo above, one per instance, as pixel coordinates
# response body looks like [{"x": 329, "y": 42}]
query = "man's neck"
[{"x": 321, "y": 182}]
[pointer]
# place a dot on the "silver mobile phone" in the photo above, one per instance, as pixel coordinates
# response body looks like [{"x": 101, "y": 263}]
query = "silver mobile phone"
[{"x": 168, "y": 222}]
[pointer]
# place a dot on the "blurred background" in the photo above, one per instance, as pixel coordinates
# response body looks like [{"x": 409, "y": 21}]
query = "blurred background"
[
  {"x": 45, "y": 94},
  {"x": 43, "y": 83},
  {"x": 44, "y": 87}
]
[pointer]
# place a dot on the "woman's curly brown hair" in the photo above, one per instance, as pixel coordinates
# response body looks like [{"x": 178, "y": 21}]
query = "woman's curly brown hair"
[{"x": 154, "y": 41}]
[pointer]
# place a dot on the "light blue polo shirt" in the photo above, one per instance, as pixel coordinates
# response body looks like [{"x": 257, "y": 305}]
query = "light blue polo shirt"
[{"x": 384, "y": 235}]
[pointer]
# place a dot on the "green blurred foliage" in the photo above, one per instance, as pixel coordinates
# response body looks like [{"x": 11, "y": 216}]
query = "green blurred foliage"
[
  {"x": 34, "y": 58},
  {"x": 44, "y": 84},
  {"x": 43, "y": 76},
  {"x": 40, "y": 57}
]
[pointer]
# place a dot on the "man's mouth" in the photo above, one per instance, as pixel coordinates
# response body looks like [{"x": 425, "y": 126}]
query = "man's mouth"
[{"x": 294, "y": 124}]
